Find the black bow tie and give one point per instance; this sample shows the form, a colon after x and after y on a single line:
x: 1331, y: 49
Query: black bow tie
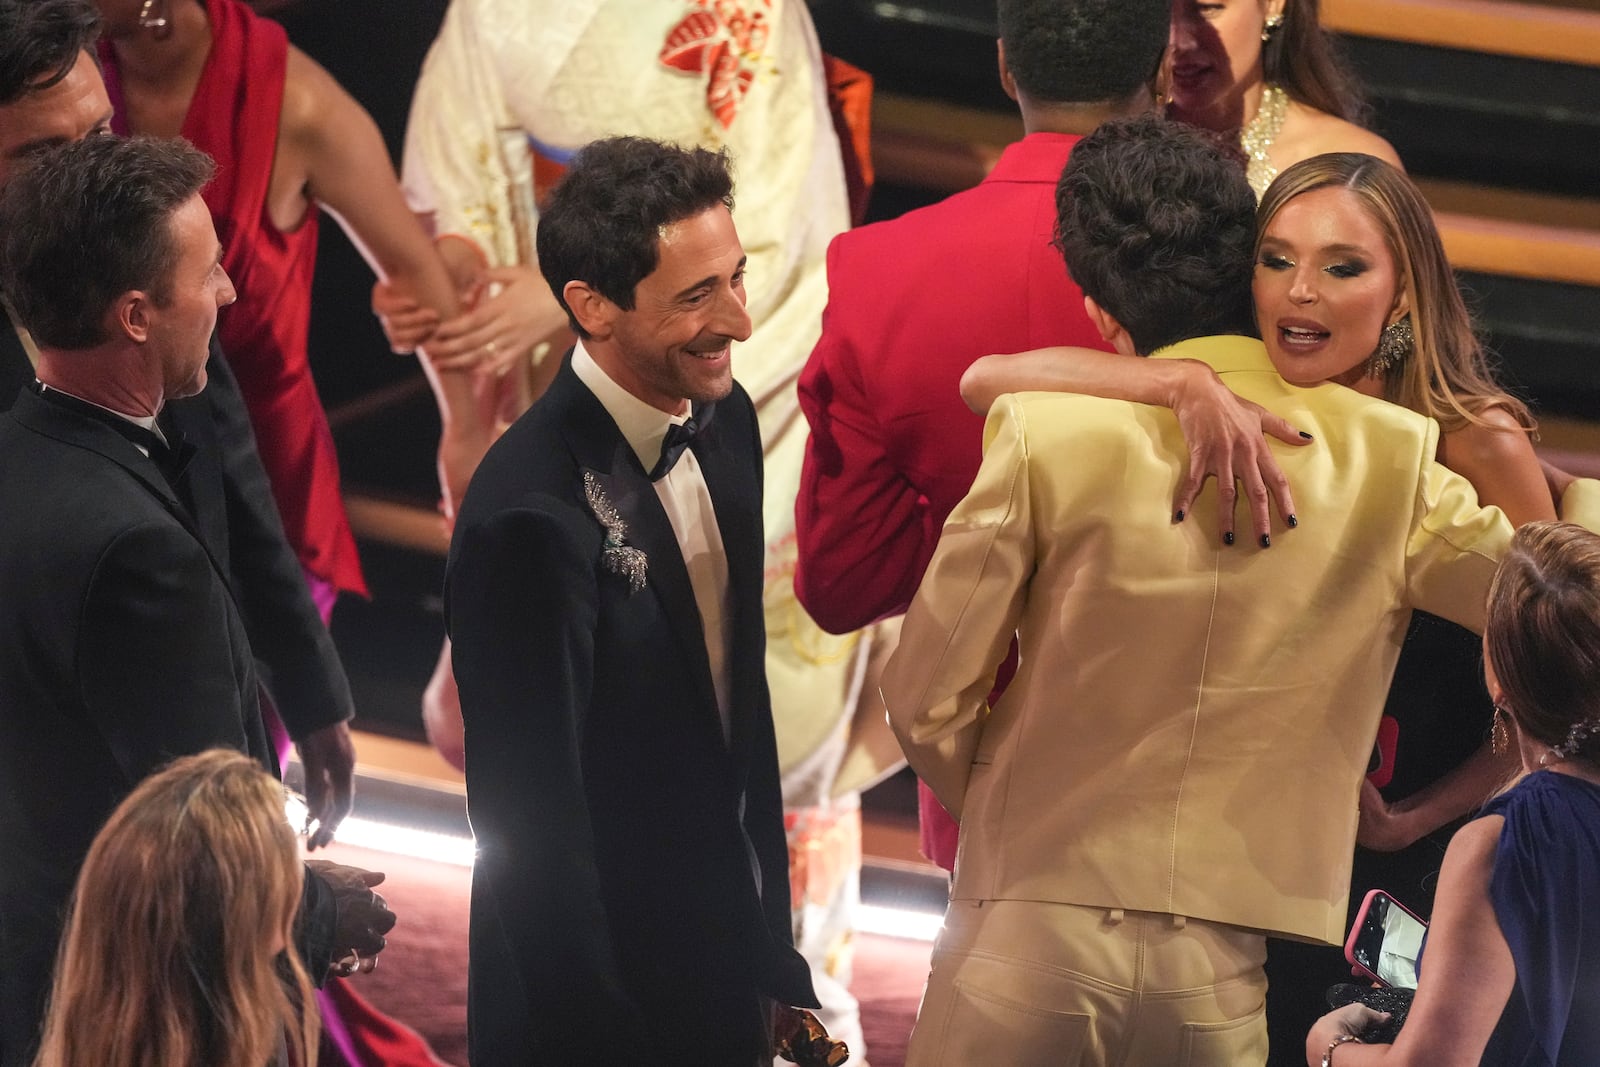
x: 680, y: 435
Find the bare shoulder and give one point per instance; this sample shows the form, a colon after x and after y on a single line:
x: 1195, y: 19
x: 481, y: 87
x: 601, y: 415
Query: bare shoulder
x: 311, y: 98
x: 1308, y: 132
x: 1469, y: 859
x: 1499, y: 439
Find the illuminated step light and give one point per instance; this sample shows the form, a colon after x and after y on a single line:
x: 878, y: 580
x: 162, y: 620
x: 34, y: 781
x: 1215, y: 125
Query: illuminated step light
x: 460, y: 851
x: 899, y: 922
x: 396, y: 840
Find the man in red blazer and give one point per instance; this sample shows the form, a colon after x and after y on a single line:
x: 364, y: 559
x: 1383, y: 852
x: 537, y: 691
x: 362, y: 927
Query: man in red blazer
x: 915, y: 300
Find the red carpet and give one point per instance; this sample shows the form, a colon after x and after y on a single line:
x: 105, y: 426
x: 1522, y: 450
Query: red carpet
x: 421, y: 979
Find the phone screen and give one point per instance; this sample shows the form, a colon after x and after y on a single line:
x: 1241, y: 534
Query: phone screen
x: 1387, y: 942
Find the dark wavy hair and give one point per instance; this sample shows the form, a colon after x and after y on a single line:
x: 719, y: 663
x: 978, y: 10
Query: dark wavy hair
x: 603, y: 222
x: 1300, y: 57
x: 1083, y: 51
x: 85, y: 223
x: 1157, y: 225
x: 1542, y: 633
x: 40, y: 41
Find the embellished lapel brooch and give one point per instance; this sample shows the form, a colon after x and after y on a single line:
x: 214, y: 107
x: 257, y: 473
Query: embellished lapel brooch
x: 618, y: 557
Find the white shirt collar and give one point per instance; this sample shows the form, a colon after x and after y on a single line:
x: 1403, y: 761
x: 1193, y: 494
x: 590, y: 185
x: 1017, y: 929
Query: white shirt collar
x: 147, y: 421
x: 643, y: 425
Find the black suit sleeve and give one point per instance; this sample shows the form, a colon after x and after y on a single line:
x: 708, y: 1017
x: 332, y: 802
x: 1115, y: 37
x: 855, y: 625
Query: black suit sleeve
x: 763, y: 817
x: 314, y: 926
x: 160, y: 676
x: 522, y: 605
x: 302, y: 668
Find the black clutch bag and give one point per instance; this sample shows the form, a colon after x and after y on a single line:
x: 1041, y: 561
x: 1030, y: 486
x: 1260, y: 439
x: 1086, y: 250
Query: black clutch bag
x: 1397, y: 1002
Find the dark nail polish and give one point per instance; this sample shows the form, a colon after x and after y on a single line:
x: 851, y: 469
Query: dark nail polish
x: 1292, y: 521
x: 1227, y: 538
x: 1177, y: 516
x: 1307, y: 436
x: 1266, y: 540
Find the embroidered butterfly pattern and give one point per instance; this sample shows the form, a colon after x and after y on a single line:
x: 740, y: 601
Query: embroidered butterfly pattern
x: 723, y: 39
x: 617, y: 556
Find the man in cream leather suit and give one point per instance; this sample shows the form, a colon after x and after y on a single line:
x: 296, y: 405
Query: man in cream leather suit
x: 1174, y: 773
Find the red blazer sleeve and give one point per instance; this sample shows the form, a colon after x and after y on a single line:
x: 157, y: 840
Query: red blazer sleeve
x: 865, y: 533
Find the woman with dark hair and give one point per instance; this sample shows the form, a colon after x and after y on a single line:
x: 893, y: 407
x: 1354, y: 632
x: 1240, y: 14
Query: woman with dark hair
x: 288, y: 141
x: 175, y: 949
x: 1265, y: 72
x: 1511, y: 970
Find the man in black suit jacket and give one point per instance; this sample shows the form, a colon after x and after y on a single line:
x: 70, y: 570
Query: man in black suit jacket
x: 631, y: 899
x: 51, y: 91
x: 121, y: 645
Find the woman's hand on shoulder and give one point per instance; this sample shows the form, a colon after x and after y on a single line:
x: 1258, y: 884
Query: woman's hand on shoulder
x: 1226, y: 436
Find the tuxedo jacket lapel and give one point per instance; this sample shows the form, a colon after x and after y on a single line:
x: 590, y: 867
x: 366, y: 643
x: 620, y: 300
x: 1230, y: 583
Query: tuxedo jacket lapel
x: 600, y: 449
x: 79, y: 431
x: 197, y: 478
x: 736, y: 499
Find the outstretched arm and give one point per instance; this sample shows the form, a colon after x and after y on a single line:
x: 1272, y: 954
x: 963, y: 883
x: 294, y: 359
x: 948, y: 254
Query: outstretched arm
x: 1225, y: 435
x: 1386, y: 827
x: 348, y: 171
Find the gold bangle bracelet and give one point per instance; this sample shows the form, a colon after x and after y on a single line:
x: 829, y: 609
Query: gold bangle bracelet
x: 1327, y: 1057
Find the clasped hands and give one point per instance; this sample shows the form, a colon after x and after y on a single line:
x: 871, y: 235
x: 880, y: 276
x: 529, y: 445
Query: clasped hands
x: 509, y: 310
x: 362, y: 917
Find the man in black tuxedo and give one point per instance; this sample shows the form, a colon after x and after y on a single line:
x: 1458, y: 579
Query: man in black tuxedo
x: 631, y: 899
x: 121, y: 644
x: 51, y: 92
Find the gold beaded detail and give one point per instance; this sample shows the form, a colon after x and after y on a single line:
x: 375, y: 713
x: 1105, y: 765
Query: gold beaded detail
x: 1257, y: 137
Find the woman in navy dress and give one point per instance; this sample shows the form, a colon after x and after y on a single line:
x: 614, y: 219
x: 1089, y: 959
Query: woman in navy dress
x: 1511, y: 976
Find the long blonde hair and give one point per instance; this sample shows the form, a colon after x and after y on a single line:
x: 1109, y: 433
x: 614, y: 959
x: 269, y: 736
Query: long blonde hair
x: 1447, y: 375
x: 170, y: 955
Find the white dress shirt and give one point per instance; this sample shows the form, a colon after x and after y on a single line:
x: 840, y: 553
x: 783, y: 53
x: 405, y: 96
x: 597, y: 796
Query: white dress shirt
x: 687, y: 501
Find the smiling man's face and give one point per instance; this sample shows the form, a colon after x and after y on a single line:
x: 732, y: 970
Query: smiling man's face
x: 676, y: 343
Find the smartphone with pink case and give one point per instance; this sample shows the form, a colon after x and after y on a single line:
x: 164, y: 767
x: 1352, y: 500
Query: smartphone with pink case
x: 1386, y: 941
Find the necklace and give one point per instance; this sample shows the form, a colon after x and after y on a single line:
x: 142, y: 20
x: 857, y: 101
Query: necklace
x: 1259, y: 133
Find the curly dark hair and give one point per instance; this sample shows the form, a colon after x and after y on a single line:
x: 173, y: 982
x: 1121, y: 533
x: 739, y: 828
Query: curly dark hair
x: 1083, y: 51
x: 89, y: 221
x: 602, y: 225
x: 40, y: 41
x: 1157, y: 225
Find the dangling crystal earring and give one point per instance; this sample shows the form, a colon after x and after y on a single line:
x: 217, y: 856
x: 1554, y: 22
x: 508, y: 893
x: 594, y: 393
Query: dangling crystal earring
x: 1273, y: 22
x: 156, y: 17
x: 1499, y: 736
x: 1394, y: 345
